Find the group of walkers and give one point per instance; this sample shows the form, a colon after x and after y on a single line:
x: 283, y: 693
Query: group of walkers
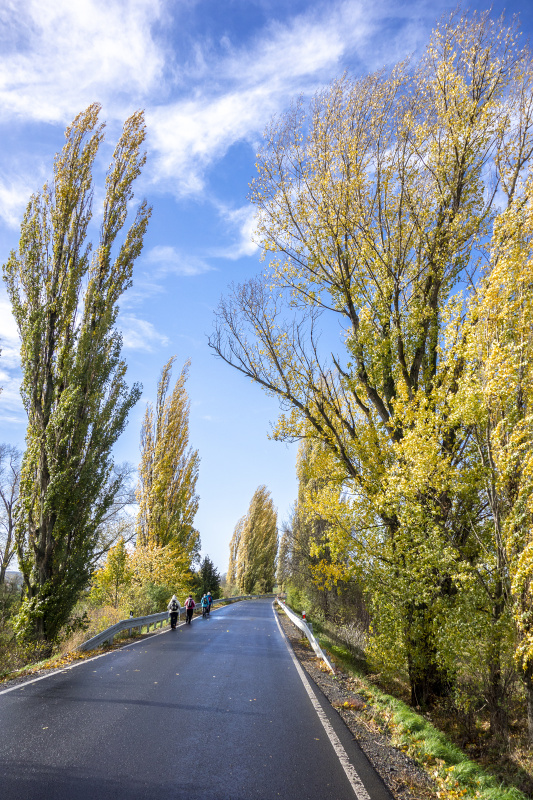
x: 174, y: 608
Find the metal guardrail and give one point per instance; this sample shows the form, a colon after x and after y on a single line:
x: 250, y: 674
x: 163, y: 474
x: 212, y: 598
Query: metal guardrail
x: 131, y: 623
x: 304, y: 627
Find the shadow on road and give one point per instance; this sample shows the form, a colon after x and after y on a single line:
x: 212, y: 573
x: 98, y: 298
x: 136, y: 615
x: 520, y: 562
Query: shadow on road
x: 25, y: 781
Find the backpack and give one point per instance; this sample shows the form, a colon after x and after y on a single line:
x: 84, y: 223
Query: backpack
x: 189, y: 603
x: 174, y: 605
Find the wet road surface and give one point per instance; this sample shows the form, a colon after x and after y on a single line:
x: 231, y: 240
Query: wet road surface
x: 216, y: 710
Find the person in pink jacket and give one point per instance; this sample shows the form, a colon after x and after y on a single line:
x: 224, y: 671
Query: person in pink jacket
x: 189, y: 607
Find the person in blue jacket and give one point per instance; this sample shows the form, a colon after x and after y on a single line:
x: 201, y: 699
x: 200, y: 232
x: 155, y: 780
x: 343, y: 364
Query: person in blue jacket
x: 205, y: 606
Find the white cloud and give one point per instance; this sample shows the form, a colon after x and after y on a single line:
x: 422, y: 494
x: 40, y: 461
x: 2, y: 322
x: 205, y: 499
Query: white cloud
x: 170, y: 260
x: 139, y: 334
x: 243, y: 220
x: 240, y: 92
x: 11, y: 409
x: 15, y: 191
x: 59, y: 56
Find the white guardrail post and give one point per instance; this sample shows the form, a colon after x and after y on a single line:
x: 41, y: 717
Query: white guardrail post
x: 131, y: 623
x: 304, y: 627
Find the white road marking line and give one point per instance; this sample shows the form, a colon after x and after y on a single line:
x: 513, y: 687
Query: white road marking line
x: 82, y: 661
x: 351, y: 773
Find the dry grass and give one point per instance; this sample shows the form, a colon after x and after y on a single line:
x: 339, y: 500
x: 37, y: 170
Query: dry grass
x: 98, y: 620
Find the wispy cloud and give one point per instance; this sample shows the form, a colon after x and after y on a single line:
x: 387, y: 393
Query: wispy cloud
x: 58, y: 56
x: 168, y: 259
x: 139, y: 334
x: 15, y: 191
x: 243, y: 221
x: 243, y: 89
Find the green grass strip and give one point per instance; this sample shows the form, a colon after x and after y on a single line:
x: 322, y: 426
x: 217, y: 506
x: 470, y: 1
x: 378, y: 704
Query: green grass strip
x: 455, y: 775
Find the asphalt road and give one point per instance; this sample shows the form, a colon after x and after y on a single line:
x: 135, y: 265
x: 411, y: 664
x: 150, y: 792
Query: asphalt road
x: 216, y: 710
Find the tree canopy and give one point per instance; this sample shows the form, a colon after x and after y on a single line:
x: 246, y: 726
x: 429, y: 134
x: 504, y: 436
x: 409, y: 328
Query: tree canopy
x: 396, y: 207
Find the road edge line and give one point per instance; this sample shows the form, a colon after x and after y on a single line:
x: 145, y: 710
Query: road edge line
x: 82, y: 661
x: 351, y: 773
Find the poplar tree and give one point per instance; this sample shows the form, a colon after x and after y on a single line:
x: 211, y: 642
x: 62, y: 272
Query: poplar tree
x: 234, y: 545
x: 64, y: 295
x: 258, y: 545
x: 495, y: 400
x: 168, y: 471
x: 283, y: 561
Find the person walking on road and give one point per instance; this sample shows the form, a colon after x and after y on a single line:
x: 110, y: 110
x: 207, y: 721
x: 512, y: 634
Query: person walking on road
x: 173, y: 608
x: 189, y: 607
x: 205, y: 606
x: 210, y: 603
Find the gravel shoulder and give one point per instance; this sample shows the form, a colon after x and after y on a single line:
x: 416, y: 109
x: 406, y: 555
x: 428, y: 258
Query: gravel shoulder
x: 404, y: 778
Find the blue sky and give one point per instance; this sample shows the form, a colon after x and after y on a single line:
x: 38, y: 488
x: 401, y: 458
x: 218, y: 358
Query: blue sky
x: 209, y: 74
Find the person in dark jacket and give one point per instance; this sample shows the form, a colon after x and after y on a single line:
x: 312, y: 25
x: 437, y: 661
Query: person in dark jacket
x: 174, y: 609
x: 210, y: 602
x: 189, y: 607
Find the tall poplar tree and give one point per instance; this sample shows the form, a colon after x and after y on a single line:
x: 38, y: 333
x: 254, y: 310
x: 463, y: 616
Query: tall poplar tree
x: 496, y: 400
x: 169, y: 470
x: 234, y: 545
x: 258, y: 545
x: 64, y: 296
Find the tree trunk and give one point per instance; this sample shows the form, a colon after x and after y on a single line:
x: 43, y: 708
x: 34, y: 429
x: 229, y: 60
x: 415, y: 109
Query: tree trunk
x: 499, y: 723
x: 429, y: 681
x: 527, y: 677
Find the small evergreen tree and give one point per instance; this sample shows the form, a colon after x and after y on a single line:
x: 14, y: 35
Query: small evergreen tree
x: 209, y: 578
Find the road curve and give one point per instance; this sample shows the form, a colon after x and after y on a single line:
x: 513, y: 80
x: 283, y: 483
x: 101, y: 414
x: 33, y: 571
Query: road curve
x: 212, y: 711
